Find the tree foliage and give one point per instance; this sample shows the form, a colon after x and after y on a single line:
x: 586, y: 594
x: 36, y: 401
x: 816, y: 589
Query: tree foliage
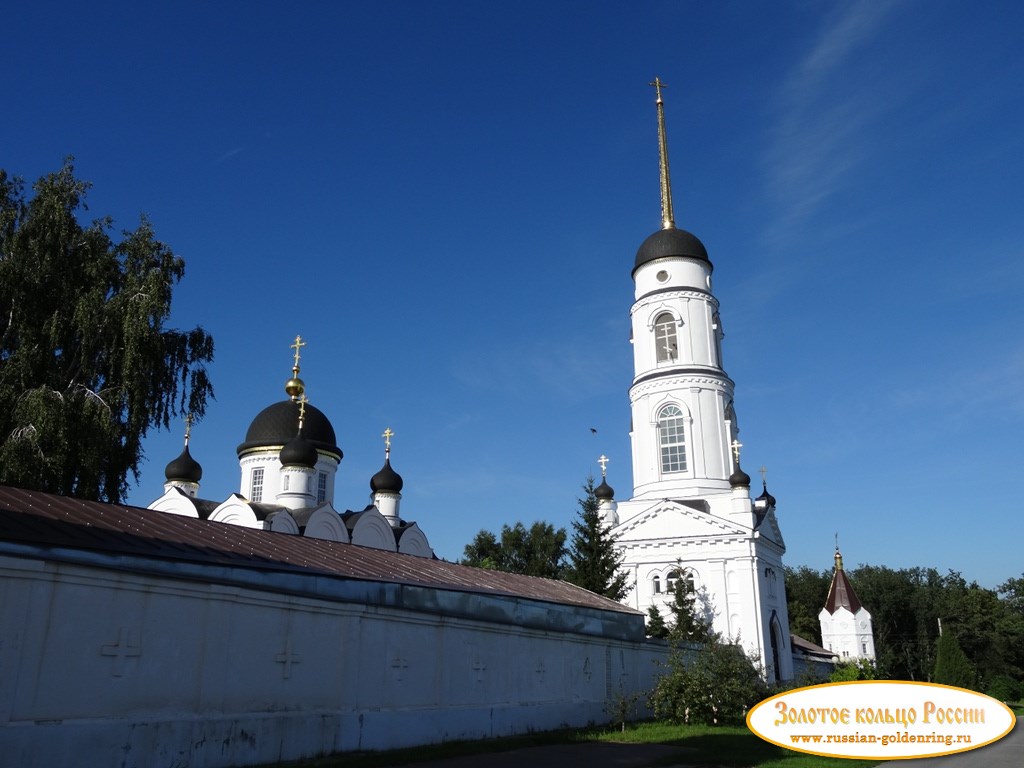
x: 593, y: 559
x: 87, y: 364
x: 535, y: 551
x: 907, y: 607
x: 952, y: 666
x: 715, y: 684
x: 656, y: 626
x: 692, y: 614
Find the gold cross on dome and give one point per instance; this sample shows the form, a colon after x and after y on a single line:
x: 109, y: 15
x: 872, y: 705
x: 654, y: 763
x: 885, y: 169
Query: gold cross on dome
x: 736, y: 445
x: 302, y: 409
x: 764, y: 474
x: 658, y: 85
x: 188, y: 427
x: 603, y: 461
x: 388, y: 434
x: 297, y: 346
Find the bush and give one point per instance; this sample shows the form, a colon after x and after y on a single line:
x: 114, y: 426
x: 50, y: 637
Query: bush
x: 716, y: 686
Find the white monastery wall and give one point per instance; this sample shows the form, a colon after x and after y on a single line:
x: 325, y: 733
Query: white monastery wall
x: 155, y: 665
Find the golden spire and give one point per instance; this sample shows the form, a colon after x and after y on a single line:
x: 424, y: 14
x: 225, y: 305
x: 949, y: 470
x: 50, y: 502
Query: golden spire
x: 295, y: 386
x: 302, y: 410
x: 188, y: 428
x: 667, y: 216
x: 839, y: 555
x: 388, y: 434
x: 603, y: 461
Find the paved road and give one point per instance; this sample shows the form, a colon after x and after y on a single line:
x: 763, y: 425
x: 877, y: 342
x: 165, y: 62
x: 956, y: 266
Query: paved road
x: 1008, y: 752
x: 594, y: 754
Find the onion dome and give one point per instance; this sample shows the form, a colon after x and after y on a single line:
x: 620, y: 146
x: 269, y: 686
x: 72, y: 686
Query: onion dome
x: 670, y: 243
x: 184, y: 469
x: 767, y: 498
x: 274, y: 427
x: 739, y: 478
x: 387, y: 480
x: 299, y: 452
x: 604, y: 492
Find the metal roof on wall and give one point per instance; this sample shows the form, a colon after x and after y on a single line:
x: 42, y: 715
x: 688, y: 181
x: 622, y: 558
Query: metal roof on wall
x: 51, y: 521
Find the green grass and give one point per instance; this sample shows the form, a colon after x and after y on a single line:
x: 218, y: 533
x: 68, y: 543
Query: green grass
x: 723, y: 746
x: 704, y: 745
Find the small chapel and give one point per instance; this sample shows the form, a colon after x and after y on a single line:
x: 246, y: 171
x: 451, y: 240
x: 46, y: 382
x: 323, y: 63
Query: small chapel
x: 690, y: 517
x: 846, y: 627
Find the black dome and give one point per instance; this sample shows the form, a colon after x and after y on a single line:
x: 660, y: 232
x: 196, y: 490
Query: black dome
x: 667, y: 243
x: 739, y: 479
x: 604, y: 491
x: 299, y: 452
x: 767, y: 498
x: 184, y: 468
x: 275, y: 425
x: 387, y: 480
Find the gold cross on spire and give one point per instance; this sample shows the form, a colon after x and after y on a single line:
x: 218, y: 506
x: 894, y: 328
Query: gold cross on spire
x: 764, y: 474
x: 658, y: 85
x: 188, y: 427
x: 388, y: 434
x: 297, y: 346
x: 603, y: 461
x: 302, y: 409
x: 736, y: 445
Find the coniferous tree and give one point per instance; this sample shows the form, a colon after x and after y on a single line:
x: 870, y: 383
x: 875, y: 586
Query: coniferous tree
x: 87, y: 364
x: 594, y: 561
x: 656, y: 626
x: 691, y: 616
x: 952, y: 666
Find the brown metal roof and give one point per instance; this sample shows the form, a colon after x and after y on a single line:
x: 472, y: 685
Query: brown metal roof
x: 46, y: 520
x: 841, y: 594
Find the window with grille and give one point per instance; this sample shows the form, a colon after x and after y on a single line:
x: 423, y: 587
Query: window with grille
x: 256, y: 486
x: 672, y: 437
x: 321, y: 487
x: 665, y: 338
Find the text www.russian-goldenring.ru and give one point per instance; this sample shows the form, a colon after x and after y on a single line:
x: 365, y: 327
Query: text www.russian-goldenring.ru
x: 885, y: 740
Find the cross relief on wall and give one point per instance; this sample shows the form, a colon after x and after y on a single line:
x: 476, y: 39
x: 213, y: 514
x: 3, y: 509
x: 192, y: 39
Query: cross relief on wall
x: 121, y: 650
x: 286, y: 658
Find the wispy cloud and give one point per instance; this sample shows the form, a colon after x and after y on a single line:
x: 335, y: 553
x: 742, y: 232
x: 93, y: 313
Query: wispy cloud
x: 822, y: 118
x: 229, y: 154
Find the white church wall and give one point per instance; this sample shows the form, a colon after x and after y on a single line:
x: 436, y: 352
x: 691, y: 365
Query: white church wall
x: 233, y: 667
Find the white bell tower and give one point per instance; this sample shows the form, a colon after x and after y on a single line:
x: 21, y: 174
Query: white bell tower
x: 681, y: 398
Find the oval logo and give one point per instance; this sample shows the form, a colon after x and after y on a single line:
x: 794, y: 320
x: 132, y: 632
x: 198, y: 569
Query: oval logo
x: 880, y: 719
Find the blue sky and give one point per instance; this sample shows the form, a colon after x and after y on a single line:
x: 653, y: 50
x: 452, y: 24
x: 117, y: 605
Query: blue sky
x: 445, y: 200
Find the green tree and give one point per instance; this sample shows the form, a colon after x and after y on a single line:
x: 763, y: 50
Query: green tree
x: 952, y: 666
x: 535, y: 551
x: 806, y: 592
x: 692, y: 613
x: 593, y: 560
x: 87, y: 363
x: 713, y: 685
x: 656, y: 626
x: 860, y: 669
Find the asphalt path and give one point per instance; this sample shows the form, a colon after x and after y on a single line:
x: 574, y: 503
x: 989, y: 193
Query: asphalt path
x: 1008, y: 752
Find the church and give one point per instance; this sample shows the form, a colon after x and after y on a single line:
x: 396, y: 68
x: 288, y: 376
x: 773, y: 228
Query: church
x: 270, y: 626
x: 690, y: 517
x: 287, y: 465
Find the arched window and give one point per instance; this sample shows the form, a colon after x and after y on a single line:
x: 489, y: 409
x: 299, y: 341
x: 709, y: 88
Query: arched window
x: 665, y: 338
x: 689, y: 582
x: 716, y: 330
x: 656, y: 583
x: 672, y: 438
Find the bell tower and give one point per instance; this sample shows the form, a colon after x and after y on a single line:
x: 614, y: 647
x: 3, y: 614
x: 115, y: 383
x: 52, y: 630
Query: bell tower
x: 681, y: 398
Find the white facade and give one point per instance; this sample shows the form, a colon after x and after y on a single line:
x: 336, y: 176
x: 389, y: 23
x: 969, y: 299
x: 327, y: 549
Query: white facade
x: 690, y: 516
x: 846, y: 627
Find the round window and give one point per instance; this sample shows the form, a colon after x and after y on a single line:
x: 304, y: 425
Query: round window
x: 662, y: 276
